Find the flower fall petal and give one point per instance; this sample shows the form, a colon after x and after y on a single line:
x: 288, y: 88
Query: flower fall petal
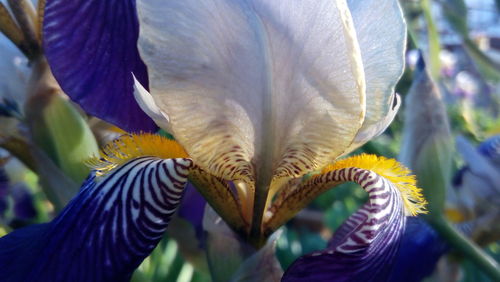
x: 365, y: 246
x: 105, y: 232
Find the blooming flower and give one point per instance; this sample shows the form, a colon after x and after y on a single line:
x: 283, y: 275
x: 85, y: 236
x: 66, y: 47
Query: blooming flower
x: 264, y: 97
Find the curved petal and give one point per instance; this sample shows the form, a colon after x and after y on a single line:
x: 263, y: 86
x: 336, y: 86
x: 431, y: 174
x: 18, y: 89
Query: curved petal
x: 105, y: 232
x: 300, y: 192
x: 366, y: 245
x: 148, y: 106
x: 370, y: 131
x: 91, y: 47
x: 270, y: 84
x: 381, y: 31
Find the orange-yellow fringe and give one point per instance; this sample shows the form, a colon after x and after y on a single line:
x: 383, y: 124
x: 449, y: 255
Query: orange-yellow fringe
x: 393, y: 171
x: 132, y: 146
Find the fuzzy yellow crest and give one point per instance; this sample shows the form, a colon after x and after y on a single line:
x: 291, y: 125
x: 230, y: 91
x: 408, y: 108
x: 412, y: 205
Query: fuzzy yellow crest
x: 132, y: 146
x: 393, y: 171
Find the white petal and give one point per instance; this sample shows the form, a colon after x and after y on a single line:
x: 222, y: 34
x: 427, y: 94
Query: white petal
x: 148, y: 105
x: 381, y: 32
x: 255, y: 82
x: 371, y: 130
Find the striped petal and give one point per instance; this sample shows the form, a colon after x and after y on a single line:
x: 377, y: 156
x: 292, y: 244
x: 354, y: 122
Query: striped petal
x: 365, y: 246
x: 273, y: 85
x: 394, y: 177
x: 91, y: 47
x: 105, y: 232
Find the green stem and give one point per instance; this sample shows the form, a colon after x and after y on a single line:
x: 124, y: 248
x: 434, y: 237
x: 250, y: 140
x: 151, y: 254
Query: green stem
x: 433, y: 40
x: 466, y: 247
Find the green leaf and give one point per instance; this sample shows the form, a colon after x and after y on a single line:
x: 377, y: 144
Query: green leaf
x: 56, y: 185
x: 62, y: 133
x: 433, y: 171
x: 466, y: 247
x: 433, y: 38
x: 455, y: 12
x: 486, y: 66
x: 56, y: 126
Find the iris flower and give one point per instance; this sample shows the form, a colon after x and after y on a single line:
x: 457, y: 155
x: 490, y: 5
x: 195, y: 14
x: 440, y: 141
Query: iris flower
x: 263, y: 99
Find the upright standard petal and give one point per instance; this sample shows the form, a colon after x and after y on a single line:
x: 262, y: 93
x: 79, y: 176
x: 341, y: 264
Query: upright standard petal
x: 381, y: 31
x: 275, y: 85
x: 91, y: 47
x: 365, y: 246
x: 105, y: 232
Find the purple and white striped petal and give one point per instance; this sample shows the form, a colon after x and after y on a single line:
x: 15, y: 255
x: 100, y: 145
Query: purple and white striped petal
x: 105, y: 232
x: 91, y: 47
x: 365, y: 246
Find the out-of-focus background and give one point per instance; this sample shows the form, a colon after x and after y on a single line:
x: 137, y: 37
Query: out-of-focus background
x: 41, y: 167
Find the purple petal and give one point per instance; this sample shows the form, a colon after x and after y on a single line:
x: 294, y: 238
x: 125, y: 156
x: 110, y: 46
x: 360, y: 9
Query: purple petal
x: 420, y: 250
x: 105, y: 232
x: 365, y: 246
x: 91, y: 46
